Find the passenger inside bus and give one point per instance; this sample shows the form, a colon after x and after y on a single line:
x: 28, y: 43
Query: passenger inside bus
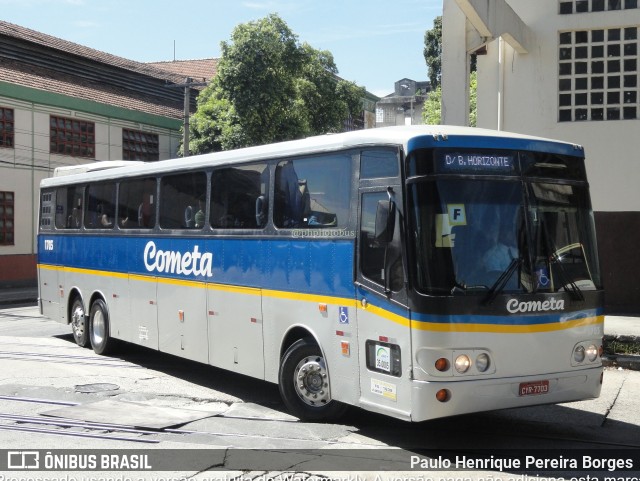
x: 502, y: 248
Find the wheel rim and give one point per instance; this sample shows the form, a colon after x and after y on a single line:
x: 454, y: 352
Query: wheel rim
x: 99, y: 327
x: 77, y: 321
x: 311, y: 381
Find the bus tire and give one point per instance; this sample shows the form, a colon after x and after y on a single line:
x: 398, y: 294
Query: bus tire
x: 79, y: 322
x: 101, y: 341
x: 304, y: 385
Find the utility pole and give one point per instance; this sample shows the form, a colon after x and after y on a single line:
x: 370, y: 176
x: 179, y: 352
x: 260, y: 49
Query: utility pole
x: 188, y: 84
x: 185, y: 129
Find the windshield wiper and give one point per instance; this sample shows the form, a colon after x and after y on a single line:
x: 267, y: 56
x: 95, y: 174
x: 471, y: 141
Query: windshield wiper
x: 501, y: 282
x: 569, y: 285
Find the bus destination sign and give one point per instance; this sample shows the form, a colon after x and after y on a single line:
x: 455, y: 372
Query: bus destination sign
x: 489, y: 163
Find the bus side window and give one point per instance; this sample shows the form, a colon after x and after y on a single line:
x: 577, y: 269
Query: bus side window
x: 136, y: 203
x: 101, y: 206
x: 239, y: 197
x: 182, y: 199
x: 376, y: 164
x: 69, y: 207
x: 313, y: 192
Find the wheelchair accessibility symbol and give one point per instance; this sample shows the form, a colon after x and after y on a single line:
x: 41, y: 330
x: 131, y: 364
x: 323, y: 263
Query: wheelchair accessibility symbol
x: 543, y: 277
x: 343, y: 315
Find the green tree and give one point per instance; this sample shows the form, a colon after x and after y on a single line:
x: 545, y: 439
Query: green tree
x: 473, y: 98
x: 432, y: 109
x: 271, y: 88
x: 433, y: 52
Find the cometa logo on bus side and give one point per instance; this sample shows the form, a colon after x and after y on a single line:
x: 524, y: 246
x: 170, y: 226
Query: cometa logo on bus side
x: 176, y: 262
x: 514, y: 306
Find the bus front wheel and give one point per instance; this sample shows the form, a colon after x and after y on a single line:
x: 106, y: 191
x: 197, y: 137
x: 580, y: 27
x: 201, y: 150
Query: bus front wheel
x: 304, y: 383
x: 101, y: 341
x: 79, y: 323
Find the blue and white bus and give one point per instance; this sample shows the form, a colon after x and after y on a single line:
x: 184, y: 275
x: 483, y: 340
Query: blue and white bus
x: 418, y: 272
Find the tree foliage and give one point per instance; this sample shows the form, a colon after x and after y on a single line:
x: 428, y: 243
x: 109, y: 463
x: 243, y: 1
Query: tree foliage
x: 433, y: 52
x: 270, y: 88
x: 432, y: 109
x: 473, y: 99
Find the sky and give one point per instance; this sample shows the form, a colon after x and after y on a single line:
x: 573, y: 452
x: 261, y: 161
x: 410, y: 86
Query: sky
x: 374, y: 42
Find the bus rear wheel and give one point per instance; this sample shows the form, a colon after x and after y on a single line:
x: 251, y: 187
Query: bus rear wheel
x: 101, y: 341
x: 79, y: 323
x: 304, y: 383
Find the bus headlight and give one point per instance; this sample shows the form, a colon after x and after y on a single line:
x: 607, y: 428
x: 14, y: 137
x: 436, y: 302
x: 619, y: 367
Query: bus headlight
x: 482, y: 362
x: 462, y: 363
x: 578, y: 354
x: 592, y: 353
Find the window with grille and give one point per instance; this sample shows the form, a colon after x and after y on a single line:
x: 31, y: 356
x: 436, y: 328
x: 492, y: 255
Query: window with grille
x: 6, y: 127
x: 584, y: 6
x: 137, y: 145
x: 598, y: 74
x: 72, y: 137
x: 6, y: 218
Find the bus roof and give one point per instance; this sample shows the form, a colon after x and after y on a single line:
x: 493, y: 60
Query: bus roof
x: 93, y: 167
x: 390, y: 136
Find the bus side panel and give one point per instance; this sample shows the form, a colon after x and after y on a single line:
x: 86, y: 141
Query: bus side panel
x: 49, y: 273
x: 311, y: 288
x: 143, y: 317
x: 235, y: 329
x: 49, y: 292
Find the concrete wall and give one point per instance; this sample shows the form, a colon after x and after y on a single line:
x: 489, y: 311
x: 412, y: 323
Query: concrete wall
x: 530, y: 92
x: 519, y: 92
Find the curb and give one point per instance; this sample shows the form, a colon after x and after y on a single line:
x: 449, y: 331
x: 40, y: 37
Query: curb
x: 624, y: 361
x: 12, y: 301
x: 621, y: 361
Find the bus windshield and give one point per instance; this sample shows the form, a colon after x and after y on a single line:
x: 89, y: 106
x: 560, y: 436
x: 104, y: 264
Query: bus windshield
x: 479, y: 234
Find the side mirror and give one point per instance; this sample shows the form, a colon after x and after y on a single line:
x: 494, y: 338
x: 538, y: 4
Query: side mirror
x: 385, y: 222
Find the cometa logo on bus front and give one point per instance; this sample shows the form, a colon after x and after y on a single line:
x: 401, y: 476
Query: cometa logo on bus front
x: 176, y: 262
x: 514, y: 306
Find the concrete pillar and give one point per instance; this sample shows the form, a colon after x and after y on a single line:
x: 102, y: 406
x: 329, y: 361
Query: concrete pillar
x: 455, y: 66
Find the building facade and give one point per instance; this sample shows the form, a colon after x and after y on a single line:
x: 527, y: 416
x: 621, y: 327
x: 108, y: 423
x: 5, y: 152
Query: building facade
x: 565, y: 69
x: 64, y: 104
x: 404, y: 105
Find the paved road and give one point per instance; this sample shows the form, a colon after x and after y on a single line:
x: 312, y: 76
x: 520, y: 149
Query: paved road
x: 44, y: 373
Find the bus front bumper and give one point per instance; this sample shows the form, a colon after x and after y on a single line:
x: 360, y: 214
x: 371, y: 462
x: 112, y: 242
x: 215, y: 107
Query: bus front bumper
x: 490, y: 394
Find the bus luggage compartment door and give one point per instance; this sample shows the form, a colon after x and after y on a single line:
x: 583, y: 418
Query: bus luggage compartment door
x: 182, y: 320
x: 235, y: 329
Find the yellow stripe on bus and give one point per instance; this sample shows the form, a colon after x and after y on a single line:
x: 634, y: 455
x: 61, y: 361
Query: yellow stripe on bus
x: 507, y: 328
x: 346, y: 302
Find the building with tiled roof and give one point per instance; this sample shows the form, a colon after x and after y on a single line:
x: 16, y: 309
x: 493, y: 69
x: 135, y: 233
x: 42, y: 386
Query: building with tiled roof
x: 66, y: 104
x: 201, y: 69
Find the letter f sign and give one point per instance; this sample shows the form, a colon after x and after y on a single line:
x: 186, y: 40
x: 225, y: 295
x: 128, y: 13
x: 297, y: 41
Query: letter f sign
x: 457, y: 214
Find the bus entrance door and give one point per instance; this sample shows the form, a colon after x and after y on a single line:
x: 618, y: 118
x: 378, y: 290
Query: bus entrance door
x: 384, y: 333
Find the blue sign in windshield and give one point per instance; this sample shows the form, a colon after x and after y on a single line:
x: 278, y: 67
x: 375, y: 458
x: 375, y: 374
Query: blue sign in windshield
x: 475, y: 162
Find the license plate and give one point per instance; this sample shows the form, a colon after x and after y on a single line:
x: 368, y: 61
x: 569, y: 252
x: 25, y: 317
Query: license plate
x: 533, y: 388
